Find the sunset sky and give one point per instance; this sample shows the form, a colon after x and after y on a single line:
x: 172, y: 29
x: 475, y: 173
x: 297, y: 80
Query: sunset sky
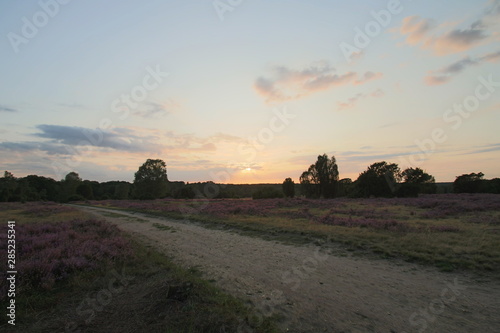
x: 253, y: 90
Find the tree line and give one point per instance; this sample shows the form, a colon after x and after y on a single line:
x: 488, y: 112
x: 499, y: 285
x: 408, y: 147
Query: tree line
x: 320, y: 180
x: 380, y: 179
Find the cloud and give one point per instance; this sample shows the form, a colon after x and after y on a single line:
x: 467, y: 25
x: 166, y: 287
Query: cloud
x: 72, y: 105
x: 357, y: 56
x: 368, y: 76
x: 29, y: 146
x: 117, y: 139
x: 372, y: 155
x: 444, y: 75
x: 491, y: 57
x: 416, y: 29
x: 7, y: 109
x: 442, y: 39
x: 484, y: 149
x: 156, y: 110
x: 351, y: 102
x: 288, y: 84
x: 457, y: 40
x: 222, y: 137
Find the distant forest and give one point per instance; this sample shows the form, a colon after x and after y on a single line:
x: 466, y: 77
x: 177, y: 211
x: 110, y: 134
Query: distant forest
x: 321, y: 180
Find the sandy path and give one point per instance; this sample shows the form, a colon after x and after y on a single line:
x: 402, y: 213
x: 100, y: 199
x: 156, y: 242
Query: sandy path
x: 319, y: 291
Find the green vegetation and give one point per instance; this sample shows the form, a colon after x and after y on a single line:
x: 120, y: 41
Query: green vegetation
x: 142, y: 291
x: 150, y: 181
x: 289, y: 188
x: 164, y: 227
x: 447, y: 231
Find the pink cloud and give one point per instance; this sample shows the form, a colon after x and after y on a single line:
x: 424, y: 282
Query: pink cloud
x: 351, y: 102
x: 287, y: 84
x: 448, y: 38
x: 444, y: 74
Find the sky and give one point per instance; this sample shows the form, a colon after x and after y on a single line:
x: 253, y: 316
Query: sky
x: 248, y: 91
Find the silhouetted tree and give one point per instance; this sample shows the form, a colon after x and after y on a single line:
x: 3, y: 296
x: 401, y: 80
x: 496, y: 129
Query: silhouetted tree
x: 69, y: 185
x: 415, y: 181
x: 379, y: 180
x: 345, y: 187
x: 185, y: 192
x: 320, y: 180
x: 289, y: 188
x: 47, y: 188
x: 85, y: 190
x: 267, y: 193
x: 151, y: 180
x: 468, y: 183
x: 8, y: 187
x: 121, y: 191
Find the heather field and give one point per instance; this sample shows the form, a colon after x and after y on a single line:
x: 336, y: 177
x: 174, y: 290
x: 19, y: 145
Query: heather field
x: 77, y: 273
x: 449, y: 231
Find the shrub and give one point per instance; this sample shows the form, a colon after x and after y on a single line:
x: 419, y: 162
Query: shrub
x: 50, y: 252
x: 267, y: 193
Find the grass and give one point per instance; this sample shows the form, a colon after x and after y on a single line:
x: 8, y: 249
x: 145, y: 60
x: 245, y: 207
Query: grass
x: 142, y: 291
x: 164, y: 227
x: 447, y: 231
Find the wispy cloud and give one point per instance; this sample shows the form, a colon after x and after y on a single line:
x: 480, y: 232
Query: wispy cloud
x: 484, y: 149
x: 7, y: 109
x: 449, y: 38
x: 351, y: 102
x: 445, y: 74
x: 421, y: 31
x: 288, y: 84
x: 72, y: 105
x: 120, y: 142
x: 30, y: 146
x: 152, y: 110
x: 416, y: 29
x: 116, y: 139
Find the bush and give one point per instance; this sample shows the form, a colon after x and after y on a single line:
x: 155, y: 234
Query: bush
x: 51, y: 252
x: 408, y: 190
x: 184, y: 193
x: 267, y: 193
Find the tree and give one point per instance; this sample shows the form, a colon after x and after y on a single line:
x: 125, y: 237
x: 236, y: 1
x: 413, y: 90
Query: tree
x: 47, y: 188
x: 416, y: 176
x: 379, y: 180
x: 121, y: 191
x: 345, y: 187
x: 416, y: 181
x: 468, y: 183
x: 289, y: 188
x: 85, y: 190
x: 150, y: 181
x: 69, y: 185
x: 320, y: 180
x: 8, y: 187
x: 267, y: 193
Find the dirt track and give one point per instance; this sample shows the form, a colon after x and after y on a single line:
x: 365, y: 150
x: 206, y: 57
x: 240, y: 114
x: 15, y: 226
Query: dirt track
x: 315, y: 290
